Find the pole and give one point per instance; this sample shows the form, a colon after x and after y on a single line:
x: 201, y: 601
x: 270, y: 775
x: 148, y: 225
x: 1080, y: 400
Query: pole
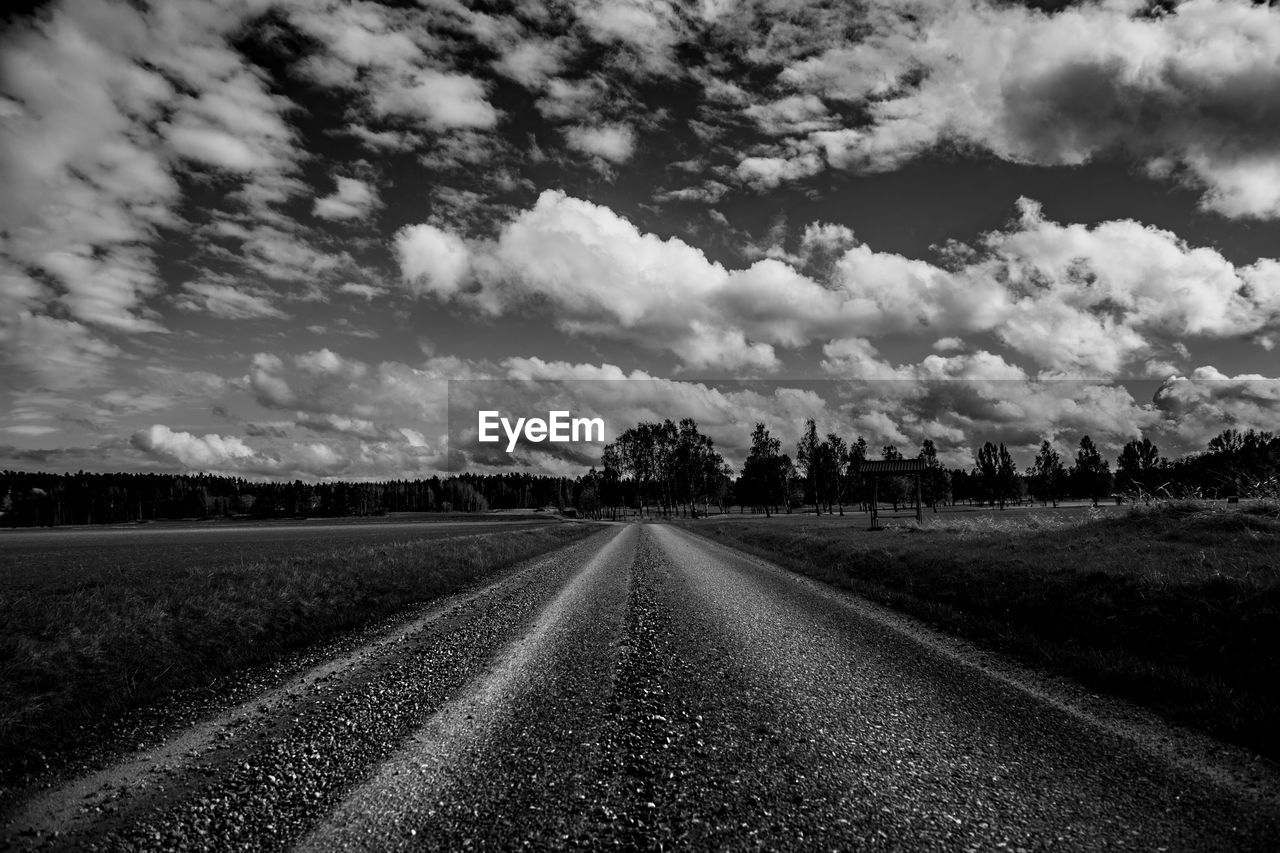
x: 875, y: 500
x: 919, y: 503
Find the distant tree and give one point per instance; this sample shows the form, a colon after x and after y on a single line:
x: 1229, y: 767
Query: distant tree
x: 792, y: 483
x: 809, y: 462
x: 1048, y: 475
x: 987, y: 471
x: 935, y: 482
x: 1136, y: 466
x: 1007, y: 482
x: 996, y: 474
x: 762, y: 475
x: 835, y: 459
x: 1091, y: 473
x: 857, y: 483
x: 893, y: 489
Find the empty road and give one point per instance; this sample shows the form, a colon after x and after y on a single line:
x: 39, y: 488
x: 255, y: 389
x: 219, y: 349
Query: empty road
x: 649, y: 689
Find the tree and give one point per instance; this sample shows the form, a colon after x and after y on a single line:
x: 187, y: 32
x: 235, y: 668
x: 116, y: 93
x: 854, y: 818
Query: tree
x: 762, y: 471
x: 1047, y: 474
x: 1135, y: 466
x: 987, y: 471
x: 857, y: 483
x: 1091, y: 474
x: 935, y: 482
x: 835, y: 461
x: 996, y: 473
x: 894, y: 489
x: 809, y: 461
x: 1006, y: 476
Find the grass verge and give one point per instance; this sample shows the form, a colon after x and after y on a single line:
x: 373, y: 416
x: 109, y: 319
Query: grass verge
x: 83, y: 644
x: 1174, y: 607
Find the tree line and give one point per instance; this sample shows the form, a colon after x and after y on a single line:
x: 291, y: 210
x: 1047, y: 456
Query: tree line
x: 45, y: 499
x: 667, y: 468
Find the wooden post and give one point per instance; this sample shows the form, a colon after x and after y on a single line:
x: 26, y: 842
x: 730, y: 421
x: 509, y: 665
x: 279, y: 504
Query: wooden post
x: 875, y: 499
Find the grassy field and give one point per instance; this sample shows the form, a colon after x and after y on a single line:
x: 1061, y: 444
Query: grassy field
x: 1176, y: 607
x: 92, y: 622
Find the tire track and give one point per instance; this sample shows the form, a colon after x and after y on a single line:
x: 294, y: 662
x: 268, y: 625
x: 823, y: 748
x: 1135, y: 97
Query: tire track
x: 439, y: 792
x: 923, y: 749
x: 264, y: 782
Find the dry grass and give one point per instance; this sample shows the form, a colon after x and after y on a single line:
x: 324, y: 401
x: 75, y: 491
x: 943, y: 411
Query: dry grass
x: 1174, y: 606
x: 91, y: 640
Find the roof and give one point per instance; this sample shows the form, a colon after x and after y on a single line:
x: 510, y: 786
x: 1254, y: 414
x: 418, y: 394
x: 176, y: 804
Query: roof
x: 893, y: 466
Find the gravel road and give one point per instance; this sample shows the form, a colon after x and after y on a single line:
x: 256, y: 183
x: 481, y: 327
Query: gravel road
x: 649, y: 689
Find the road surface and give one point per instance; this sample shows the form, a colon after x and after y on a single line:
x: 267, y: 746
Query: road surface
x: 649, y: 689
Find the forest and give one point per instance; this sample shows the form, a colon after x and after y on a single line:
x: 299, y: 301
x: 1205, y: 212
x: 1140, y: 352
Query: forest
x: 667, y: 468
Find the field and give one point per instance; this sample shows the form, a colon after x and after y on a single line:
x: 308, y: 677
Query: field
x: 95, y: 620
x: 1176, y: 607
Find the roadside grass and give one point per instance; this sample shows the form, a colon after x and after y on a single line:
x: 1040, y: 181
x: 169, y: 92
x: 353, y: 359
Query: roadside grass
x: 1174, y: 606
x: 85, y: 643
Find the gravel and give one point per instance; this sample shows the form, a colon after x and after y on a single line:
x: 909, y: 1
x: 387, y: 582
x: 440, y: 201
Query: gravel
x: 649, y: 690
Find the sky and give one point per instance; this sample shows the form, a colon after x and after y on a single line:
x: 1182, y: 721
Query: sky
x: 265, y: 237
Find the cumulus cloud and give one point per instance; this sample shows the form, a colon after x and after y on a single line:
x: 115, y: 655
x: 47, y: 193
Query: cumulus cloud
x: 438, y: 100
x: 769, y: 172
x: 612, y: 142
x: 353, y: 199
x: 283, y: 458
x: 432, y: 260
x: 1190, y: 93
x: 207, y: 452
x: 326, y: 362
x: 1208, y: 401
x: 1078, y: 301
x: 532, y: 61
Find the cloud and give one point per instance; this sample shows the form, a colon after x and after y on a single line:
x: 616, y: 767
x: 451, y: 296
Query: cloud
x: 1190, y: 93
x: 368, y: 291
x: 268, y: 386
x: 1208, y: 401
x: 86, y: 183
x: 769, y: 172
x: 208, y: 452
x: 353, y: 199
x: 857, y: 358
x: 532, y: 61
x: 648, y: 30
x: 283, y: 458
x: 226, y: 301
x: 326, y: 362
x: 613, y: 142
x: 29, y: 430
x: 438, y: 100
x: 1077, y: 300
x: 794, y: 114
x: 571, y: 99
x: 282, y: 251
x: 52, y: 353
x: 958, y: 401
x: 432, y: 260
